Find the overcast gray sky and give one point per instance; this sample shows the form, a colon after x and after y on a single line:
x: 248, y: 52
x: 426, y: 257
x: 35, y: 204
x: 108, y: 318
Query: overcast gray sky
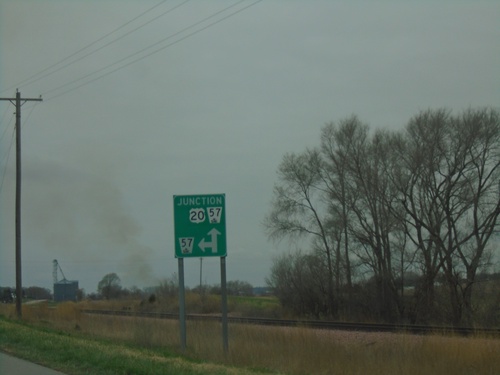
x: 189, y: 99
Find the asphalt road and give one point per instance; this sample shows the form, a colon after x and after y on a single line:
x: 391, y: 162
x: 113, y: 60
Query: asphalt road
x: 14, y: 366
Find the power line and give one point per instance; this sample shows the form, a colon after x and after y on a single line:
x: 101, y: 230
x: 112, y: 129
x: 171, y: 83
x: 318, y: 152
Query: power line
x: 32, y: 78
x: 134, y: 54
x: 107, y: 44
x: 25, y: 122
x: 7, y: 161
x: 149, y: 47
x: 7, y: 154
x: 4, y: 114
x: 5, y: 130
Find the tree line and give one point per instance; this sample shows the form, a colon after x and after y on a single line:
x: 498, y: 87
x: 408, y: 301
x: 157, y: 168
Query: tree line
x: 8, y: 294
x: 383, y: 207
x: 110, y: 288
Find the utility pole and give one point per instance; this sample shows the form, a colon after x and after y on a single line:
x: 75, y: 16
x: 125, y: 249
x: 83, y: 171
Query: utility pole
x: 18, y: 102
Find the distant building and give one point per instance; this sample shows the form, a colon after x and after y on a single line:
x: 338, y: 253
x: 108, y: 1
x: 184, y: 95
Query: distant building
x: 65, y: 290
x: 7, y: 295
x: 262, y: 291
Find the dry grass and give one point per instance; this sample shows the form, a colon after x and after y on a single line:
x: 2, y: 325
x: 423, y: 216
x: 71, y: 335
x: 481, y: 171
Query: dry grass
x: 290, y: 350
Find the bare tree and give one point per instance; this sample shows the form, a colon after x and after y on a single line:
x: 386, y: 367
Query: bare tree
x: 110, y: 286
x: 300, y: 281
x: 451, y: 195
x: 425, y: 201
x: 337, y: 144
x: 419, y: 185
x: 359, y: 183
x: 298, y: 210
x: 471, y: 203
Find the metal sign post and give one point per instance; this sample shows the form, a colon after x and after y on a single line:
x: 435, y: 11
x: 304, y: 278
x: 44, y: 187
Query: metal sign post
x: 223, y: 289
x: 182, y: 304
x: 200, y: 231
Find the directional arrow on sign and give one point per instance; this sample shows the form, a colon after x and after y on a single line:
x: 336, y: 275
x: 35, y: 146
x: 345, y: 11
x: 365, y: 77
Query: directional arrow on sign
x: 212, y: 244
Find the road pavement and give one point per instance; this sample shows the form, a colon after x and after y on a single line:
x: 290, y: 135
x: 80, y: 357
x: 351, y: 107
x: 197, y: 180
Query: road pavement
x: 14, y: 366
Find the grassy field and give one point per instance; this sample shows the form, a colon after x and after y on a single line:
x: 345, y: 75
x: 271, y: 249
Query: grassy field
x: 78, y: 343
x: 77, y: 354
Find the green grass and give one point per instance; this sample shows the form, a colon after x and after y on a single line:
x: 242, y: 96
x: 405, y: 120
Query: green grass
x: 255, y: 306
x: 77, y: 354
x: 78, y: 343
x: 262, y: 302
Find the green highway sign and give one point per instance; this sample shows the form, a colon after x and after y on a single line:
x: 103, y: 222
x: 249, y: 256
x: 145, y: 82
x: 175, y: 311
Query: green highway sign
x: 200, y: 225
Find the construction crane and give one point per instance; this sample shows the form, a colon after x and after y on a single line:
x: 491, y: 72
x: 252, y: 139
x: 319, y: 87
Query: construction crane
x: 55, y: 266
